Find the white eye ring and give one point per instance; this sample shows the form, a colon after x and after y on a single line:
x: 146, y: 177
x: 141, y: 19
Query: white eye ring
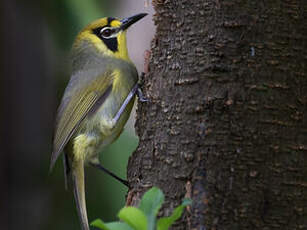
x: 108, y: 32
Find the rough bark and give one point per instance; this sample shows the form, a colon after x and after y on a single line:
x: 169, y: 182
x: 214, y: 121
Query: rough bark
x: 227, y: 118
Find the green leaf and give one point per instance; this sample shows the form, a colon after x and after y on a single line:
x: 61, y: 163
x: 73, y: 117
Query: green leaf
x: 118, y: 226
x: 110, y: 226
x: 99, y: 224
x: 150, y: 205
x: 144, y: 217
x: 134, y: 217
x: 165, y: 222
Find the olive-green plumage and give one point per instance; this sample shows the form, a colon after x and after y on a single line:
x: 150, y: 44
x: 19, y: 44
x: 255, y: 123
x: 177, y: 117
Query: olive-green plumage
x: 97, y: 101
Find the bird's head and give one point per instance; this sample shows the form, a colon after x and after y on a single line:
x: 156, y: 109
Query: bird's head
x: 108, y: 35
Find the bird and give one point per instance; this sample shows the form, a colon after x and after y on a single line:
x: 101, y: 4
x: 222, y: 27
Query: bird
x: 97, y: 101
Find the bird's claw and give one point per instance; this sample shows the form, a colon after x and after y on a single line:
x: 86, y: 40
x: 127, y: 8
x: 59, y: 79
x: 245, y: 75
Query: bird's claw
x: 141, y: 96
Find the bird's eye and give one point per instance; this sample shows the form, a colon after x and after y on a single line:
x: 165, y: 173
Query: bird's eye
x: 106, y: 32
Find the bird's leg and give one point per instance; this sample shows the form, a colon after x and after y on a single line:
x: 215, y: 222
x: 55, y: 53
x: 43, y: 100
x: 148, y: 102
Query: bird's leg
x: 135, y: 90
x: 99, y: 166
x: 124, y: 105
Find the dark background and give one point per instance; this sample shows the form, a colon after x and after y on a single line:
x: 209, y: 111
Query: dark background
x: 36, y: 37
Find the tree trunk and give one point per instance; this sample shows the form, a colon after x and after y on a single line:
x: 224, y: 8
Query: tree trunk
x: 227, y: 119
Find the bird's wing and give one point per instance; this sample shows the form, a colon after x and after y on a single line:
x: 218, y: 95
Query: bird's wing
x: 76, y: 104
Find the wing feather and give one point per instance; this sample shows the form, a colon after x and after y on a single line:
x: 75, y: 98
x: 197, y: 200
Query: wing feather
x: 77, y: 103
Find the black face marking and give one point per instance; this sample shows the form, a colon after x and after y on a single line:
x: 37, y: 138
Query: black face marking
x: 111, y: 43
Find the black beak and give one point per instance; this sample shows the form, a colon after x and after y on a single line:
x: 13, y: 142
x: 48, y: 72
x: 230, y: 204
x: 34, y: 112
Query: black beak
x: 126, y: 22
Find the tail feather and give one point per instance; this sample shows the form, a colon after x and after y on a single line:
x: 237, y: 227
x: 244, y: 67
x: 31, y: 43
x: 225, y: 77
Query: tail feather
x: 79, y: 193
x: 67, y: 171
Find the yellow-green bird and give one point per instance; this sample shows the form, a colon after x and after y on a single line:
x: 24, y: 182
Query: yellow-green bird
x: 97, y: 101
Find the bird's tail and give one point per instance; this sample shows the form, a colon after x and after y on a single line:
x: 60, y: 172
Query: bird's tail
x: 79, y: 192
